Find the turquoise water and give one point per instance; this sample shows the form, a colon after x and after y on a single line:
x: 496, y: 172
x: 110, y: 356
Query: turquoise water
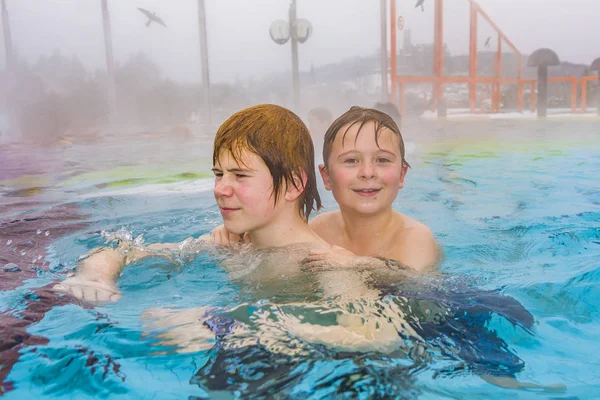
x: 521, y: 220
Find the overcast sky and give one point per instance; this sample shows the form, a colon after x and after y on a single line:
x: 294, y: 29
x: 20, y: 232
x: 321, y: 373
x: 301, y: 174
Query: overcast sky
x: 240, y: 46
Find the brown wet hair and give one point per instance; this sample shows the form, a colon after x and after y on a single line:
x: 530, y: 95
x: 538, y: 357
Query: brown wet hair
x: 359, y: 115
x: 282, y: 141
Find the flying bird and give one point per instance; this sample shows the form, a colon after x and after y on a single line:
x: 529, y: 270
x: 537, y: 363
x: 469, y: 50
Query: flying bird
x: 151, y: 17
x: 487, y: 42
x: 420, y: 3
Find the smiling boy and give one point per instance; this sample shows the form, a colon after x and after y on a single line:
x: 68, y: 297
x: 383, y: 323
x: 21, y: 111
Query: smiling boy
x: 364, y: 167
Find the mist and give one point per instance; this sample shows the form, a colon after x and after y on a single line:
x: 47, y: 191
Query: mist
x: 60, y: 81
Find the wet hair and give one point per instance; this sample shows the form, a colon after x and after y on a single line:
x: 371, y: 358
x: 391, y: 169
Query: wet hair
x: 281, y: 140
x: 359, y: 115
x: 321, y: 114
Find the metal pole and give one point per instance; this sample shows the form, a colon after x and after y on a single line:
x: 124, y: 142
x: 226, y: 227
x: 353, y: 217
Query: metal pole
x: 384, y: 64
x: 295, y: 68
x: 7, y: 39
x: 438, y: 62
x: 204, y: 57
x: 473, y: 59
x: 542, y: 103
x: 497, y: 98
x: 393, y: 50
x: 110, y: 65
x: 12, y: 107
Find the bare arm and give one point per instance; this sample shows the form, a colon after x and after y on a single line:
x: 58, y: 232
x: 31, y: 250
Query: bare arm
x: 220, y: 236
x: 338, y: 258
x: 95, y: 277
x: 419, y: 250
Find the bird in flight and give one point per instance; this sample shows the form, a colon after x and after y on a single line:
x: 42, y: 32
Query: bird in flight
x: 151, y: 17
x: 487, y: 42
x: 420, y: 3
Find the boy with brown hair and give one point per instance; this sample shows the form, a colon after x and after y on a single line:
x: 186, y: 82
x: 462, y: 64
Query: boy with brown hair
x: 364, y: 167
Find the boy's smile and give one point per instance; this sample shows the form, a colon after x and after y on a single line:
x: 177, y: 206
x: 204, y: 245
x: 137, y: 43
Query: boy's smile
x: 367, y: 192
x: 364, y: 174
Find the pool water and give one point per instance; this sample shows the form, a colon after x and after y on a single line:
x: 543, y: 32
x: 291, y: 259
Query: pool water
x: 517, y: 219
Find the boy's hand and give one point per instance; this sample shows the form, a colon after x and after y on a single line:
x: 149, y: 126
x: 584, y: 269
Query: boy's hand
x: 220, y: 236
x: 96, y: 292
x: 334, y: 258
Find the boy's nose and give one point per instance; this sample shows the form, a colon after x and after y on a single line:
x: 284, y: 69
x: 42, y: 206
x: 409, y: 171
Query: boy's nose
x: 223, y: 188
x: 367, y: 170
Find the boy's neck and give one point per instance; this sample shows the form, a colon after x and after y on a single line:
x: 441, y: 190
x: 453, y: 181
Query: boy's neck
x: 361, y: 229
x: 289, y: 228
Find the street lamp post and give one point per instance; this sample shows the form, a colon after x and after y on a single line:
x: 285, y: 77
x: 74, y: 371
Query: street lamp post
x: 110, y: 66
x: 295, y: 67
x: 384, y: 63
x: 11, y: 107
x: 7, y: 39
x: 299, y: 30
x: 204, y: 57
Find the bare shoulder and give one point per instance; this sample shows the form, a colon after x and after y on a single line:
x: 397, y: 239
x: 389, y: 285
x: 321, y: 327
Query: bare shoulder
x: 328, y: 226
x: 415, y: 230
x: 325, y: 221
x: 419, y: 248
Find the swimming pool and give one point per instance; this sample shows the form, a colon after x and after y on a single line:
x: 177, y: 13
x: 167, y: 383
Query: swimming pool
x: 516, y: 208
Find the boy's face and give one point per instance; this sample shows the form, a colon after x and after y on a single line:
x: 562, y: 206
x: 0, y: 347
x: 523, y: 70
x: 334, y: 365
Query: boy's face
x: 244, y: 192
x: 364, y: 177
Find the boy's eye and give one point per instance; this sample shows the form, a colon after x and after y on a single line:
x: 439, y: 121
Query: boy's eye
x: 241, y: 176
x: 350, y: 160
x: 218, y: 174
x: 383, y: 160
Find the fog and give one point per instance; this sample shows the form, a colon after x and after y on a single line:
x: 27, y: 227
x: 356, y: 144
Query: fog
x: 238, y: 30
x: 243, y: 59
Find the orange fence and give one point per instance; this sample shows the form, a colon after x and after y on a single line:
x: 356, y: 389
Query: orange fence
x: 438, y: 80
x: 401, y: 81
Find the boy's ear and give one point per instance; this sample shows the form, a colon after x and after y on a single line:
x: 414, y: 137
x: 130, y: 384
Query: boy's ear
x: 325, y: 176
x: 402, y: 175
x: 297, y: 188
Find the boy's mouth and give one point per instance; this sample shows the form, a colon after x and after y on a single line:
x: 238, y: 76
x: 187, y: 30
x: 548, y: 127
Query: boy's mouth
x: 366, y: 192
x: 228, y: 210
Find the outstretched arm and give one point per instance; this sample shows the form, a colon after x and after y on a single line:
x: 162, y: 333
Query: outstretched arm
x: 95, y: 277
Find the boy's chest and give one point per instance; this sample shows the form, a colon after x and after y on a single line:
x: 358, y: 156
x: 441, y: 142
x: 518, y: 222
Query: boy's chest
x: 377, y: 245
x: 275, y: 274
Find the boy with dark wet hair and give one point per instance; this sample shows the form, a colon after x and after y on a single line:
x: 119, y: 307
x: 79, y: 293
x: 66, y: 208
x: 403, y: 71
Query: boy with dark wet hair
x: 365, y: 166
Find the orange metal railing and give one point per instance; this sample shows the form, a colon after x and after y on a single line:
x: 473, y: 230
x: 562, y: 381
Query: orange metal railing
x: 438, y: 79
x: 584, y: 82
